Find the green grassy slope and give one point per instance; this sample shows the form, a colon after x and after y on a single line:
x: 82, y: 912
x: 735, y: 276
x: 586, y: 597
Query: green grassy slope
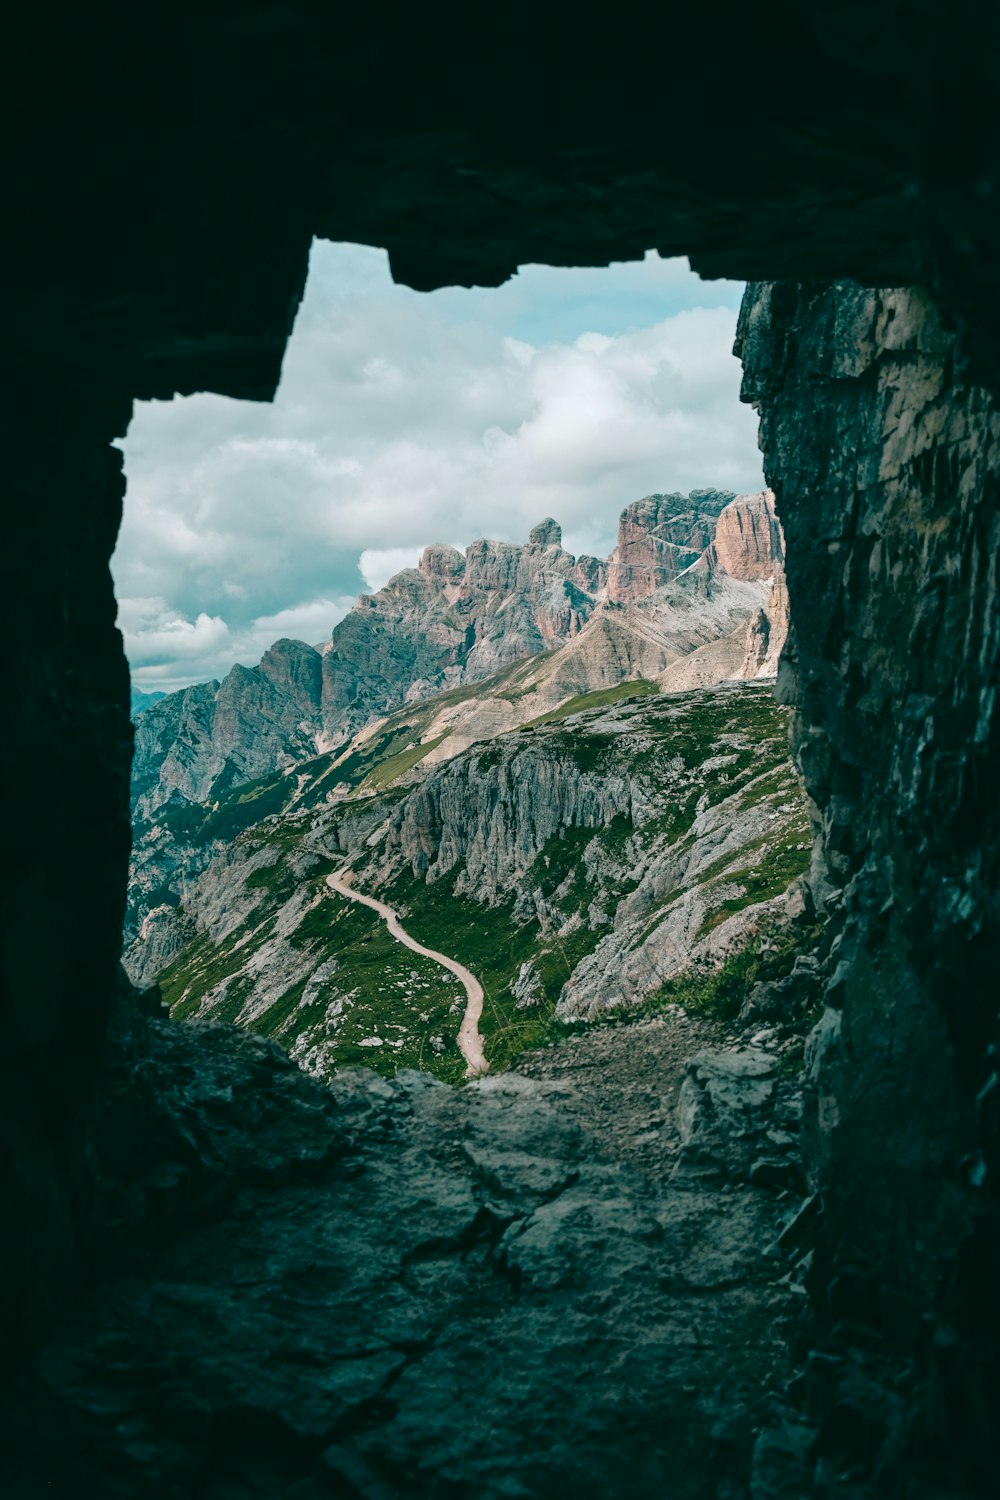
x: 336, y: 989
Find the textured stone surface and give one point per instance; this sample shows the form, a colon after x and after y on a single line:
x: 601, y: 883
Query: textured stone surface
x: 169, y: 174
x: 885, y: 467
x: 658, y: 538
x: 747, y: 542
x: 204, y: 739
x: 403, y: 1289
x: 256, y: 126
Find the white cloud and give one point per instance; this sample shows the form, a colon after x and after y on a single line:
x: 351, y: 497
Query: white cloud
x: 167, y: 651
x: 378, y: 564
x: 406, y: 418
x: 153, y: 632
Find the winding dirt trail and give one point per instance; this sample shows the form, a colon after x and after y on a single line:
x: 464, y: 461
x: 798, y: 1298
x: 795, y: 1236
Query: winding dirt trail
x: 469, y: 1042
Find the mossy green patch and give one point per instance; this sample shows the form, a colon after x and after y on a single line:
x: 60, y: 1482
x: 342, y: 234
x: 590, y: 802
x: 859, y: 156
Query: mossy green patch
x: 490, y: 942
x: 398, y: 764
x: 779, y: 864
x: 721, y: 991
x: 639, y: 687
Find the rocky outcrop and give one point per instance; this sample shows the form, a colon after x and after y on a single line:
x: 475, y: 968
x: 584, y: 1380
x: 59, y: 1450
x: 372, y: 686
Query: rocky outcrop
x: 891, y: 667
x: 200, y: 742
x: 454, y: 619
x: 658, y: 538
x: 767, y: 632
x: 162, y: 934
x: 318, y: 1269
x: 747, y: 543
x: 547, y: 533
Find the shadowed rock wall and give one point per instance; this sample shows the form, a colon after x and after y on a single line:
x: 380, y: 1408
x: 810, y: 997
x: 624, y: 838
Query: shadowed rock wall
x: 173, y: 163
x: 64, y: 764
x: 886, y: 468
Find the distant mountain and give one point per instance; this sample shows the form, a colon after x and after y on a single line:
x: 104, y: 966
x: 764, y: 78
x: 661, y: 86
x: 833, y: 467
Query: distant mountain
x: 140, y: 701
x: 564, y: 770
x: 455, y: 619
x: 448, y: 655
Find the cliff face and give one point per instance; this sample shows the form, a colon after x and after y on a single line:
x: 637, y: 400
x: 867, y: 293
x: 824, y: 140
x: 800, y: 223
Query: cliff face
x: 575, y: 867
x: 454, y: 619
x: 658, y: 538
x: 747, y: 542
x: 886, y: 466
x: 198, y: 742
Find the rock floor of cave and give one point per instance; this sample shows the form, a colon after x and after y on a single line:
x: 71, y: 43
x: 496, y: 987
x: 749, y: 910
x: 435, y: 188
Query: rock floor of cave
x: 525, y: 1287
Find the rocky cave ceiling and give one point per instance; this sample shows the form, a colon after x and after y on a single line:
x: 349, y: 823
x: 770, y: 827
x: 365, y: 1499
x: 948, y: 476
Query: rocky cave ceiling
x: 181, y: 157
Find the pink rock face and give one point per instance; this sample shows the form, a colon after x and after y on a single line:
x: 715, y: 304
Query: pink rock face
x: 748, y: 541
x: 658, y: 538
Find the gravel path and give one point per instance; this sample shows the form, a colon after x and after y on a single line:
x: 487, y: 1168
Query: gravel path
x: 469, y: 1041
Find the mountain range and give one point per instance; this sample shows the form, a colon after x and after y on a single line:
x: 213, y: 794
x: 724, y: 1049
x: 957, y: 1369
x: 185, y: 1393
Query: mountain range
x: 568, y: 773
x: 693, y: 592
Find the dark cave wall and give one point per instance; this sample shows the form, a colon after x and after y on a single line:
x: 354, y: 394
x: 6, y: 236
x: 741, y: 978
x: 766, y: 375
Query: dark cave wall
x: 64, y: 768
x: 886, y: 467
x: 173, y: 162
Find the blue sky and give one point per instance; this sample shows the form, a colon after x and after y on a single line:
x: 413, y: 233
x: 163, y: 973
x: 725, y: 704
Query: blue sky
x: 405, y: 418
x: 541, y: 304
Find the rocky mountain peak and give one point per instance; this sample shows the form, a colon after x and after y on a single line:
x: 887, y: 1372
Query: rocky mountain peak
x: 460, y: 619
x: 748, y: 541
x: 658, y: 538
x: 547, y: 533
x: 294, y: 668
x: 442, y: 562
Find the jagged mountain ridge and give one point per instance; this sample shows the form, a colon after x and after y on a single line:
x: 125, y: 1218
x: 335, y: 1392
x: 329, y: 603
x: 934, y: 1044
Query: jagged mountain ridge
x: 235, y: 757
x: 454, y: 619
x: 140, y: 701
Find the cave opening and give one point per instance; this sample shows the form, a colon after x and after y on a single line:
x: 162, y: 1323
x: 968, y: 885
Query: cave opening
x: 860, y: 204
x: 608, y: 397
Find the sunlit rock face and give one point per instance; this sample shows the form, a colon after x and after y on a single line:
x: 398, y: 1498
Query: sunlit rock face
x: 748, y: 542
x: 658, y: 538
x: 886, y: 470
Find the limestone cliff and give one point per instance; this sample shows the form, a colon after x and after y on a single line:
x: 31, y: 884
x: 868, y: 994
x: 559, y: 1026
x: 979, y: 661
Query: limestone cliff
x: 576, y: 867
x: 747, y: 542
x: 658, y: 538
x: 199, y: 742
x: 453, y: 619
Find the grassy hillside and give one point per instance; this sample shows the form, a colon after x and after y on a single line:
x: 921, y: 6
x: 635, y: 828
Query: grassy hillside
x: 716, y: 818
